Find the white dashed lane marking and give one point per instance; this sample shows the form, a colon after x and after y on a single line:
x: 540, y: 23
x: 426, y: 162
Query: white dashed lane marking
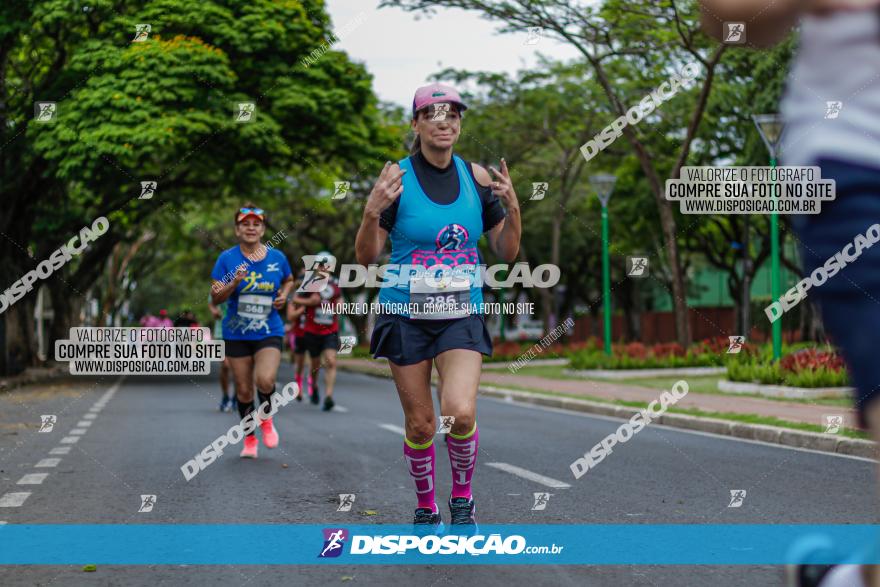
x: 530, y: 475
x: 14, y: 500
x: 33, y: 479
x: 393, y: 428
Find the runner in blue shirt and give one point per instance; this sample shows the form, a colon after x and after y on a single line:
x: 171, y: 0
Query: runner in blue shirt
x: 255, y: 280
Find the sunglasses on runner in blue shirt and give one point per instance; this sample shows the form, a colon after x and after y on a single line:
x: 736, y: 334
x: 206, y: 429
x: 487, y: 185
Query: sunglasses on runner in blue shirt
x: 245, y: 212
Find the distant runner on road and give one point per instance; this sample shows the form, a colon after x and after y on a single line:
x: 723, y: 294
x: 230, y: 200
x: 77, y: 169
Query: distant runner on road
x: 227, y: 402
x: 296, y: 321
x: 255, y: 280
x: 321, y: 336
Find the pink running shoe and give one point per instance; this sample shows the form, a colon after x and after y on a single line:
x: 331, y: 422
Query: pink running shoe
x: 250, y: 447
x: 270, y: 435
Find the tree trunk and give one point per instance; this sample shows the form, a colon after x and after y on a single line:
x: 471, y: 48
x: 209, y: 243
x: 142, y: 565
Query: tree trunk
x: 636, y: 310
x: 664, y: 207
x: 679, y: 291
x: 594, y: 320
x: 546, y: 296
x: 746, y: 301
x: 550, y: 313
x: 20, y: 340
x: 817, y: 329
x: 4, y: 364
x: 65, y: 313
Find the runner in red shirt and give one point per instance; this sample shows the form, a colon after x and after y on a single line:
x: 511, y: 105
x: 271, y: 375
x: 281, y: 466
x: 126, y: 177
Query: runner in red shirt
x: 296, y: 321
x: 321, y: 336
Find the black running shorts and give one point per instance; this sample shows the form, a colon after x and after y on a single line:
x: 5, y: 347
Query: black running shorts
x: 247, y: 348
x: 314, y: 344
x: 405, y: 341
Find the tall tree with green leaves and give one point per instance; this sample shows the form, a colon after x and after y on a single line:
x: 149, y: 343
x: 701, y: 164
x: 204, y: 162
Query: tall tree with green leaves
x: 161, y: 107
x: 537, y: 121
x: 632, y: 46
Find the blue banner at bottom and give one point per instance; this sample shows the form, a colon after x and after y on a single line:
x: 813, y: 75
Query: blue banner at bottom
x: 643, y: 544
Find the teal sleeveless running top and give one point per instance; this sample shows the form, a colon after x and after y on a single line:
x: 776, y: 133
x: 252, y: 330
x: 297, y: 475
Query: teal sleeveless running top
x: 427, y: 234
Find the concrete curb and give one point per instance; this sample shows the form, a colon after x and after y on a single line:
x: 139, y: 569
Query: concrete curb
x: 613, y: 374
x: 783, y: 390
x: 502, y: 365
x: 771, y: 434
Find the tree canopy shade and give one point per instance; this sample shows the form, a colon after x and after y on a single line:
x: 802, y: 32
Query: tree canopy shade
x: 162, y: 109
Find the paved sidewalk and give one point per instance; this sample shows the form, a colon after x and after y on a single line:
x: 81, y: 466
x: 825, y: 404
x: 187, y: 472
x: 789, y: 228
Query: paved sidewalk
x: 790, y: 411
x: 33, y: 375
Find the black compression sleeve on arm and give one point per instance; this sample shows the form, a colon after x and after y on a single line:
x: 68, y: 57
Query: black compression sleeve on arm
x: 389, y: 216
x: 493, y: 211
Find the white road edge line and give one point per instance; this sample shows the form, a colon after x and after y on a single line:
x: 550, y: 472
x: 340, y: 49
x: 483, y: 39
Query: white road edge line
x: 70, y: 440
x: 14, y: 499
x: 47, y: 463
x: 527, y: 405
x: 60, y: 450
x: 84, y: 423
x: 530, y: 475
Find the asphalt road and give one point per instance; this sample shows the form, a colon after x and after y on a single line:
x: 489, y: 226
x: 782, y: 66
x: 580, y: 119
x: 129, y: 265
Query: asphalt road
x: 143, y: 432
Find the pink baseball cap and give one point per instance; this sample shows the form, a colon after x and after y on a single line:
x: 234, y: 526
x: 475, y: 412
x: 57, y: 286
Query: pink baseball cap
x: 436, y: 93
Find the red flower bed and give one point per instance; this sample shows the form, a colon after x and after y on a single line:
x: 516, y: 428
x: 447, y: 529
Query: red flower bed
x: 668, y: 349
x: 507, y: 349
x: 811, y: 360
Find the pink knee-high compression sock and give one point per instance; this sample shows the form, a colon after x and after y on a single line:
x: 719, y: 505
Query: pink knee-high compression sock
x: 420, y: 464
x: 463, y: 458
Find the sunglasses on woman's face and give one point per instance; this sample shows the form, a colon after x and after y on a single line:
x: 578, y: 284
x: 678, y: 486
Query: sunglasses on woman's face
x: 243, y: 213
x: 441, y: 112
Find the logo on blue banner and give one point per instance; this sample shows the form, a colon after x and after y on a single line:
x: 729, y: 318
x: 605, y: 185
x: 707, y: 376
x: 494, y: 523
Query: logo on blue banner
x: 334, y: 540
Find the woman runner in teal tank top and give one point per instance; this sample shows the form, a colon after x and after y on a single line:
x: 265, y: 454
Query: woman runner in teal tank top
x: 434, y: 206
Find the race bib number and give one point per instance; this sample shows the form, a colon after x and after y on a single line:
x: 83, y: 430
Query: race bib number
x: 254, y: 307
x: 440, y: 298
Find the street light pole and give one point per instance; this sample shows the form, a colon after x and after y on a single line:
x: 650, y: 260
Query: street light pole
x: 770, y: 126
x: 604, y: 186
x: 606, y: 281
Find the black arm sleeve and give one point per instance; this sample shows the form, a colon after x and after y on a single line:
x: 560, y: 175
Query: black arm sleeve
x: 389, y: 216
x: 493, y: 211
